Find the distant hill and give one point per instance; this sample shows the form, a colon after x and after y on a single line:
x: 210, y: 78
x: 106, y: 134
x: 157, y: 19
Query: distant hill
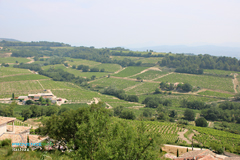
x: 205, y: 49
x: 8, y: 39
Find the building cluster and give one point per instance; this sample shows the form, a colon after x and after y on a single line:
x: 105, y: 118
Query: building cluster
x: 36, y: 97
x: 17, y: 134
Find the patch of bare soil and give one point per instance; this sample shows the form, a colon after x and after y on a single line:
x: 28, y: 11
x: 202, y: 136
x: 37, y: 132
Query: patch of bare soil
x: 33, y: 123
x: 31, y: 60
x: 119, y: 70
x: 181, y: 136
x: 235, y: 82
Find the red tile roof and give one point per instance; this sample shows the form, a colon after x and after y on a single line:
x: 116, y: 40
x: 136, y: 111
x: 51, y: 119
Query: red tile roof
x: 4, y: 120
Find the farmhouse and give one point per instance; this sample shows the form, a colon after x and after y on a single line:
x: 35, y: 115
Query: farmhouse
x: 17, y: 134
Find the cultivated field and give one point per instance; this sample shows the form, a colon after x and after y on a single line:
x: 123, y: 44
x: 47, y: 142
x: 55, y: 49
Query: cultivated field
x: 129, y: 71
x: 13, y: 60
x: 216, y: 94
x: 19, y: 88
x: 9, y: 71
x: 73, y: 61
x: 119, y: 83
x: 142, y: 88
x: 23, y: 78
x: 151, y: 74
x: 203, y: 81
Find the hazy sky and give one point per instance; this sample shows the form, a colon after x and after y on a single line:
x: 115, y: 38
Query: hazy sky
x: 109, y: 23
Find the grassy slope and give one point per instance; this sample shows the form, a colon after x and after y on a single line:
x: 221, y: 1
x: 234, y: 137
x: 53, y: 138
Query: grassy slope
x: 23, y: 78
x: 203, y: 81
x: 5, y: 71
x: 129, y: 71
x: 13, y: 60
x: 150, y: 74
x: 119, y: 83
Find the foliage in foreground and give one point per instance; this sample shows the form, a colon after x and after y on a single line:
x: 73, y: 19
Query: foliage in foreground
x: 91, y: 135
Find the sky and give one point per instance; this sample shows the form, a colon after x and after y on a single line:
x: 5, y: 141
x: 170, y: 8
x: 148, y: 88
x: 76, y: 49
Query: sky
x: 130, y: 23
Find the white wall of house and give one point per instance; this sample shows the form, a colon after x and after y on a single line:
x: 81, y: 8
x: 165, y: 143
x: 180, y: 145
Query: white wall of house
x: 3, y: 128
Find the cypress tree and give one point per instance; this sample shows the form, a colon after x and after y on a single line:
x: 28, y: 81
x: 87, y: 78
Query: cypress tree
x: 177, y: 153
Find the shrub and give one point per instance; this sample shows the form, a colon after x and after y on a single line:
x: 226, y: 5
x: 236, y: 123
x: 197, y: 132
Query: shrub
x: 202, y: 122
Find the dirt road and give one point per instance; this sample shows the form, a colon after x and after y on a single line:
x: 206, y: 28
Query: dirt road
x: 181, y: 136
x: 235, y: 82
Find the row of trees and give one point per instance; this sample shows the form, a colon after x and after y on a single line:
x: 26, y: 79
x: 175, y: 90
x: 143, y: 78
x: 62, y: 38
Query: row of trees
x: 111, y: 90
x: 86, y: 68
x: 37, y: 43
x: 186, y: 87
x: 198, y: 62
x: 38, y: 111
x: 155, y: 102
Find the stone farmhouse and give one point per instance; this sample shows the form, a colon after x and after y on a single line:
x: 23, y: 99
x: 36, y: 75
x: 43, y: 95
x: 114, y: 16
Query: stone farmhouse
x: 36, y: 97
x: 18, y: 134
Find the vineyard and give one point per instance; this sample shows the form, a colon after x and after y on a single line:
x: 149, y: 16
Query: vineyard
x: 167, y: 131
x: 129, y: 71
x: 7, y: 71
x: 150, y: 75
x: 208, y: 136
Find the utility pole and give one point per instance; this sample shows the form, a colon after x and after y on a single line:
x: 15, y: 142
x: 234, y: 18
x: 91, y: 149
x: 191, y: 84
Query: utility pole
x: 192, y: 143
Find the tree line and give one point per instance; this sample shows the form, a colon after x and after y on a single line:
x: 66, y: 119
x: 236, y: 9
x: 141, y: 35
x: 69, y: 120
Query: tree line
x: 37, y: 43
x: 196, y: 63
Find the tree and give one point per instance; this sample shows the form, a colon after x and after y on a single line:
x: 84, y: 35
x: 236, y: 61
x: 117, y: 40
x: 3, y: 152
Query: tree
x: 13, y: 96
x: 127, y: 114
x: 139, y: 78
x: 237, y: 97
x: 93, y: 77
x: 102, y: 70
x: 173, y: 113
x: 73, y: 66
x: 118, y: 110
x: 28, y: 102
x: 177, y: 153
x: 132, y: 98
x: 79, y: 67
x: 85, y: 68
x: 90, y: 134
x: 147, y: 112
x: 94, y: 69
x: 157, y: 91
x: 186, y: 87
x: 202, y: 122
x: 109, y: 75
x: 26, y: 113
x: 189, y: 115
x: 17, y: 62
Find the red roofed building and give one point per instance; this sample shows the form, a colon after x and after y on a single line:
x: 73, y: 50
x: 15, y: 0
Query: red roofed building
x: 18, y: 134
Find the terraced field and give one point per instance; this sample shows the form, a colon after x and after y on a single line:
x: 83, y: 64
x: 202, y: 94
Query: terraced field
x: 203, y: 81
x: 19, y: 88
x: 142, y: 88
x: 23, y: 78
x: 216, y: 94
x: 119, y: 83
x: 7, y: 71
x: 73, y: 61
x: 13, y: 60
x: 109, y: 67
x: 130, y: 71
x: 150, y: 74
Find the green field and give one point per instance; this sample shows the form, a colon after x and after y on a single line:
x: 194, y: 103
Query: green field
x: 151, y: 74
x: 218, y: 72
x: 109, y: 67
x: 177, y: 98
x: 23, y: 78
x: 6, y: 71
x: 216, y: 94
x: 13, y: 60
x: 119, y: 83
x: 144, y: 88
x: 73, y: 61
x: 19, y: 88
x: 203, y: 81
x: 129, y: 71
x: 151, y: 60
x: 128, y: 57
